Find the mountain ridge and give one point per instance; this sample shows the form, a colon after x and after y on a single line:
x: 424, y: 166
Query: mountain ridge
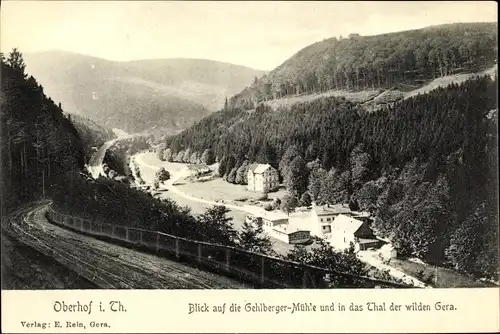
x: 383, y: 61
x: 131, y: 95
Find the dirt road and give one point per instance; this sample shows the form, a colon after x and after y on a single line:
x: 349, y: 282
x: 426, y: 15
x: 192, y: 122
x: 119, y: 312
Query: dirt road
x: 107, y: 265
x: 24, y: 268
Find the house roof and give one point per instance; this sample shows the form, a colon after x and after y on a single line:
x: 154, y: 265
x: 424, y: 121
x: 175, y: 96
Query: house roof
x: 348, y: 224
x: 300, y: 220
x: 387, y: 247
x: 332, y: 210
x: 289, y: 228
x: 269, y: 215
x: 368, y: 241
x: 259, y: 168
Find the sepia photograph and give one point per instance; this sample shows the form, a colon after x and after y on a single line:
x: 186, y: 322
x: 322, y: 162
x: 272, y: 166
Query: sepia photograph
x: 182, y: 145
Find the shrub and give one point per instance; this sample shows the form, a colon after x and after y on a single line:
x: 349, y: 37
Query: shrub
x: 264, y: 197
x: 162, y: 175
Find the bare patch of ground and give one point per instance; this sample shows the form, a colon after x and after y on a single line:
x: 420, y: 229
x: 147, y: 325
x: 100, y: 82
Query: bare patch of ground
x: 437, y: 277
x: 24, y: 268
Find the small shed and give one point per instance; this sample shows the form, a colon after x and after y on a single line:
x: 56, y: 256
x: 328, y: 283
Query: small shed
x: 388, y: 252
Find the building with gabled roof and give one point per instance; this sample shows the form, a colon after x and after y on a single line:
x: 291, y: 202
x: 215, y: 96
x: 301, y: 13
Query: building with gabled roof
x: 262, y: 177
x: 347, y: 230
x: 324, y: 215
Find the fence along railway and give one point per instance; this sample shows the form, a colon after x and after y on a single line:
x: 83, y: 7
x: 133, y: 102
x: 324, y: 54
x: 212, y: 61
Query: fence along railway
x: 263, y: 270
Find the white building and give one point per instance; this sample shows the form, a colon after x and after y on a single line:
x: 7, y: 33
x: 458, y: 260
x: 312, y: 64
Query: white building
x: 272, y: 219
x: 291, y: 234
x: 337, y: 224
x: 276, y: 225
x: 347, y: 230
x: 388, y: 252
x: 322, y: 218
x: 262, y: 177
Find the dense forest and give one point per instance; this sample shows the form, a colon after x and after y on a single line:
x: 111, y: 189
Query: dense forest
x: 91, y: 133
x: 402, y: 59
x: 426, y: 167
x: 117, y: 157
x: 38, y: 143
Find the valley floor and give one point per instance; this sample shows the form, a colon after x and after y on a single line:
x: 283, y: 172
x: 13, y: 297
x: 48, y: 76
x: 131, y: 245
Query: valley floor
x: 149, y: 165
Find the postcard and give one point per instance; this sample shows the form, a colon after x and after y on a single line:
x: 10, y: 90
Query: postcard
x: 241, y: 166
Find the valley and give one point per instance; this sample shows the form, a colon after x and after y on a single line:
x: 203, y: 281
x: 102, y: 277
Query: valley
x: 368, y: 160
x: 167, y: 95
x: 198, y: 201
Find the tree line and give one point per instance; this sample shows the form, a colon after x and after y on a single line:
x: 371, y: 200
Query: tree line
x: 425, y: 166
x: 400, y: 60
x: 38, y: 142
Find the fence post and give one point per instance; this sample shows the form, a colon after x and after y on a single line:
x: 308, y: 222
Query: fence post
x: 199, y: 253
x: 100, y: 229
x: 157, y: 241
x: 177, y: 248
x: 140, y: 237
x: 82, y: 225
x: 262, y: 273
x: 126, y: 233
x: 227, y: 258
x: 113, y: 230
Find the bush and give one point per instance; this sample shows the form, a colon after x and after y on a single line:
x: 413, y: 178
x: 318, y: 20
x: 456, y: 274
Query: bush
x: 276, y: 203
x: 112, y: 174
x: 264, y: 197
x: 268, y: 207
x: 162, y: 175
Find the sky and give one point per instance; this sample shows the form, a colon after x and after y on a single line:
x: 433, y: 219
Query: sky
x: 261, y: 35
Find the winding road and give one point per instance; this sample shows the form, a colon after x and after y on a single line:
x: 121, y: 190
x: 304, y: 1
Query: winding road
x: 107, y: 265
x: 176, y: 175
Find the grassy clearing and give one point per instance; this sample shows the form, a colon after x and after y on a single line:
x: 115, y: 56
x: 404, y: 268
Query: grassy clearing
x: 379, y: 96
x: 447, y: 80
x: 357, y: 97
x: 446, y: 278
x: 217, y: 189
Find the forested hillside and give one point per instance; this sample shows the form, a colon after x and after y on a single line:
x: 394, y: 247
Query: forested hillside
x: 403, y: 60
x: 38, y: 143
x: 426, y: 167
x: 91, y: 133
x: 166, y: 94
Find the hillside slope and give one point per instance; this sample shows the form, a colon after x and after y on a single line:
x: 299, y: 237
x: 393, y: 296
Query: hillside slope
x: 402, y: 60
x: 91, y: 133
x: 170, y: 94
x: 426, y: 167
x: 39, y: 144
